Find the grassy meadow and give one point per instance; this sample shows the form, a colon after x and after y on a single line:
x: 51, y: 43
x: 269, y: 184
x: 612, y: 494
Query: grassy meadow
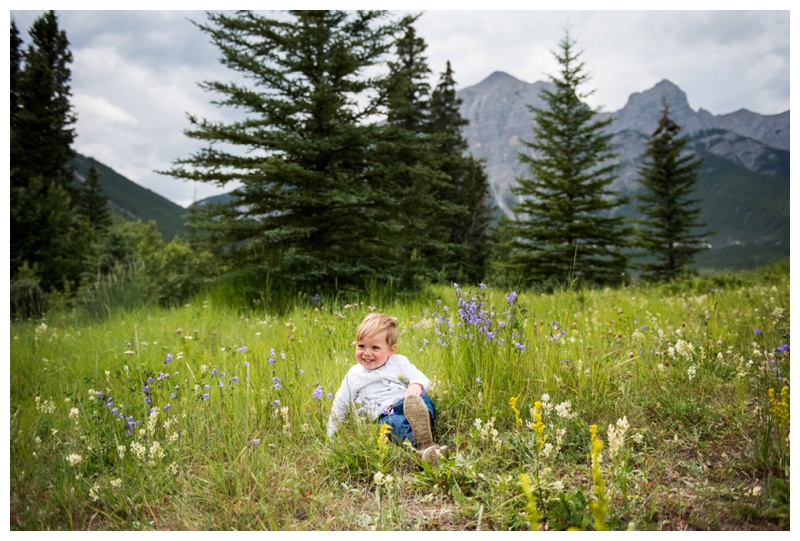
x: 645, y: 408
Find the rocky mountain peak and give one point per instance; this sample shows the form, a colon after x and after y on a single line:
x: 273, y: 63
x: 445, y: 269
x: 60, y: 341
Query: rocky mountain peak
x: 500, y: 121
x: 499, y: 78
x: 643, y: 109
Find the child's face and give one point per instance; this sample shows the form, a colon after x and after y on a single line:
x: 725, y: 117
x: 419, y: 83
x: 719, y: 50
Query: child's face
x: 373, y: 351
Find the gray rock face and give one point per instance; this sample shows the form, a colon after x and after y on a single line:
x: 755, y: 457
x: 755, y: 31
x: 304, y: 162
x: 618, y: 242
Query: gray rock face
x: 500, y: 120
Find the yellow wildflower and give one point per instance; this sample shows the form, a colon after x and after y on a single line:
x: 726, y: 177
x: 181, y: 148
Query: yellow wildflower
x: 600, y: 504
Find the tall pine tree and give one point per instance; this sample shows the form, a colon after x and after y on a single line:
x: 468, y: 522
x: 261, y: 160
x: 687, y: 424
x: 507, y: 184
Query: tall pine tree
x: 42, y: 129
x: 415, y: 154
x: 44, y: 232
x: 669, y: 232
x: 563, y: 227
x: 318, y: 205
x: 93, y: 203
x: 467, y: 229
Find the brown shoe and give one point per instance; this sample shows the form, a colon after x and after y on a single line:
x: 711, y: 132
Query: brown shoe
x: 432, y: 453
x: 419, y: 418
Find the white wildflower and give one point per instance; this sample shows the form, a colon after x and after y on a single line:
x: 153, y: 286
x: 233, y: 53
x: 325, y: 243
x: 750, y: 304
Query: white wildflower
x: 565, y: 410
x: 152, y: 421
x: 691, y: 372
x: 74, y: 459
x: 93, y: 491
x: 138, y: 449
x: 116, y: 483
x: 44, y: 406
x: 616, y: 436
x: 156, y: 451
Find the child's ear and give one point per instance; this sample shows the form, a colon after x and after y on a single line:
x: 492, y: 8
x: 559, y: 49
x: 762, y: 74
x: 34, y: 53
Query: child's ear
x: 392, y: 349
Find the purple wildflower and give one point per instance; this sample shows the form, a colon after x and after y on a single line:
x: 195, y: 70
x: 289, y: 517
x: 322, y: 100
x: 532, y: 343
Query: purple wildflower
x: 758, y: 331
x: 482, y: 285
x: 179, y: 330
x: 511, y: 297
x: 478, y: 380
x: 256, y: 441
x: 147, y: 399
x: 205, y: 396
x: 235, y: 379
x: 242, y: 349
x: 168, y: 359
x: 166, y: 408
x: 318, y: 392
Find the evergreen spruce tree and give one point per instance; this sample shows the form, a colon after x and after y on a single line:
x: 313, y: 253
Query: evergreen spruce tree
x: 44, y: 230
x: 409, y: 91
x: 43, y: 131
x: 563, y: 227
x: 669, y: 233
x: 318, y: 205
x: 93, y: 203
x: 414, y: 152
x: 466, y: 230
x: 15, y: 54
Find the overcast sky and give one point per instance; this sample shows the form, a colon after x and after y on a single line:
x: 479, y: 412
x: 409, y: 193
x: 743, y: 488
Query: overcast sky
x: 135, y: 74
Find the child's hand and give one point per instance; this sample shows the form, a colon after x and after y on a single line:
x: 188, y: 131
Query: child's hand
x: 414, y: 389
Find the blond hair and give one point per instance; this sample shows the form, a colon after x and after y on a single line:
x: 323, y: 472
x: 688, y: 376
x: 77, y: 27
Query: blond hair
x: 376, y: 323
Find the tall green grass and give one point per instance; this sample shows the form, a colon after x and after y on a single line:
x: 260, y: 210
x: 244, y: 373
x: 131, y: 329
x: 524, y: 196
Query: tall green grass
x: 676, y: 379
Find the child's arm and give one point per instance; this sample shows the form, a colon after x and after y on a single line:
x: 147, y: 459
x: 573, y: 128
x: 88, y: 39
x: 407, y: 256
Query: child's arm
x: 338, y: 408
x: 417, y: 381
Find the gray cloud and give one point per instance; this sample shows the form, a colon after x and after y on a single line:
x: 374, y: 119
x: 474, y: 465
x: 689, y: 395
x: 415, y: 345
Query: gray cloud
x: 136, y: 73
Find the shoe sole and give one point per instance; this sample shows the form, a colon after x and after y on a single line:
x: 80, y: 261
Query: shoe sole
x: 419, y: 418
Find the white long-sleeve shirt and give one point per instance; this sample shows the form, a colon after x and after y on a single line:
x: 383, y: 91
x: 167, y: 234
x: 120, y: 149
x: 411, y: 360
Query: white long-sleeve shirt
x: 374, y: 390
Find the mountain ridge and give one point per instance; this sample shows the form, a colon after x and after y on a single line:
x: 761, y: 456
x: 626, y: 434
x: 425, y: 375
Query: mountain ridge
x: 500, y: 120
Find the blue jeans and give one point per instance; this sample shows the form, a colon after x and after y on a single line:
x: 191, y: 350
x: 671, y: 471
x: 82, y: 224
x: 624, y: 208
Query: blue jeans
x: 401, y: 428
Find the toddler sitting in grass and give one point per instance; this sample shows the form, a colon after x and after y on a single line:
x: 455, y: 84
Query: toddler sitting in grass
x: 388, y: 387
